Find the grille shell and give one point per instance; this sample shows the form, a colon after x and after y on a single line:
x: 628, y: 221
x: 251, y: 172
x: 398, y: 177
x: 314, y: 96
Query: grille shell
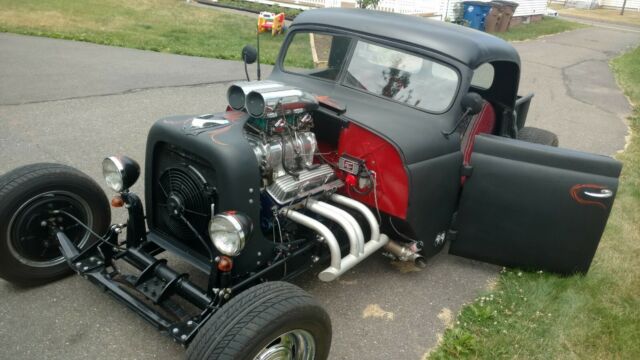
x: 182, y: 182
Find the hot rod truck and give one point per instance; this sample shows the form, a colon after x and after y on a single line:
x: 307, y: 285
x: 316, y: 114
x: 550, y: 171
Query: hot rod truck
x: 375, y: 132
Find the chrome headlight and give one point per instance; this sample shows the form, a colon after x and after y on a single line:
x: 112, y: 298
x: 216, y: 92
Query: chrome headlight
x: 229, y: 231
x: 120, y: 172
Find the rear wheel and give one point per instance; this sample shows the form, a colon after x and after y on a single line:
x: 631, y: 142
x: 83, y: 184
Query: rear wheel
x: 274, y: 320
x: 29, y: 196
x: 538, y: 136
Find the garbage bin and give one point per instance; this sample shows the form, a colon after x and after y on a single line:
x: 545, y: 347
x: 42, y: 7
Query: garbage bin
x: 506, y: 8
x: 475, y: 13
x: 492, y: 19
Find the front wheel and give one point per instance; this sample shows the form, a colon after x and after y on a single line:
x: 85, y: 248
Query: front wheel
x: 29, y: 198
x: 273, y: 320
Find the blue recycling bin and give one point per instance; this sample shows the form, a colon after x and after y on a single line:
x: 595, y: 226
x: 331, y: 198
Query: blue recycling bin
x: 475, y: 13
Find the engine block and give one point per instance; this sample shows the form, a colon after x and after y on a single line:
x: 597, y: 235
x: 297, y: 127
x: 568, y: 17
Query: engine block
x: 288, y: 188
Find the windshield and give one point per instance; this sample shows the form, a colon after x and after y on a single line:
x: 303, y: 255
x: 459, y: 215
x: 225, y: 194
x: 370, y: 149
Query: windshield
x: 403, y: 77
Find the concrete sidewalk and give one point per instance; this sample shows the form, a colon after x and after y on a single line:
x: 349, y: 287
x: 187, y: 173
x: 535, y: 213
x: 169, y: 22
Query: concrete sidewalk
x: 576, y: 95
x: 603, y: 24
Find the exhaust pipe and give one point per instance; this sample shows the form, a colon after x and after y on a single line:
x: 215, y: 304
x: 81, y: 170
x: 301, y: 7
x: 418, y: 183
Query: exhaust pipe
x: 349, y: 261
x: 323, y: 231
x: 406, y: 253
x: 363, y: 209
x: 359, y: 250
x: 344, y: 219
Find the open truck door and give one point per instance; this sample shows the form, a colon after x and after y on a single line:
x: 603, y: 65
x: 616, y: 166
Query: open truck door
x: 534, y: 206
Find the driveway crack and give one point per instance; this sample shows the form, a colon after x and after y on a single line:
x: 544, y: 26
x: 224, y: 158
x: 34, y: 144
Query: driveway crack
x: 577, y: 47
x: 566, y: 82
x: 541, y: 64
x: 125, y: 92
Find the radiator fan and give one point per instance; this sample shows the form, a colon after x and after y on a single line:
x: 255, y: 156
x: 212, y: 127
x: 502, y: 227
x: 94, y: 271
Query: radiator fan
x: 183, y: 197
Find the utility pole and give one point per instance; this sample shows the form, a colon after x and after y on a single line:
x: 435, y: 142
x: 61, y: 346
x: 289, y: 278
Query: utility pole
x: 624, y: 4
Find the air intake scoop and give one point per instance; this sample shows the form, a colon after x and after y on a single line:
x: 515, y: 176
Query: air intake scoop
x: 237, y: 93
x: 269, y: 103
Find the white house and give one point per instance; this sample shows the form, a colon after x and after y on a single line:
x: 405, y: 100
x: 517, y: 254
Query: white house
x: 439, y: 9
x: 594, y: 4
x: 617, y: 4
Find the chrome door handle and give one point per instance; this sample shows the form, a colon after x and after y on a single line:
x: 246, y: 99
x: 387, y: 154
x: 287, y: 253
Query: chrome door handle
x: 603, y: 194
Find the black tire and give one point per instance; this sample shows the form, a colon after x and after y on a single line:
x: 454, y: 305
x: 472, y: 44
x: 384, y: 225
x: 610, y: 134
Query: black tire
x: 538, y: 136
x: 255, y: 318
x: 27, y: 194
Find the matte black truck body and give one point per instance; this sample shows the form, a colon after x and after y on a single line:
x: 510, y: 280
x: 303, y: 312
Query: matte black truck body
x: 396, y: 134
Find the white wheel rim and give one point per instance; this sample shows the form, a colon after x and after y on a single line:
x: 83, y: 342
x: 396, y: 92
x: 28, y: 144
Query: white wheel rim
x: 293, y: 345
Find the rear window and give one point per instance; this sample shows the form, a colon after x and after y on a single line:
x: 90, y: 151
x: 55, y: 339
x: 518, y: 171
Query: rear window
x: 483, y: 76
x: 316, y: 54
x: 403, y: 77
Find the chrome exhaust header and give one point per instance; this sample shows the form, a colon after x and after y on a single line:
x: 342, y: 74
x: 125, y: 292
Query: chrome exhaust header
x: 363, y: 209
x: 325, y: 235
x: 358, y: 248
x: 344, y: 219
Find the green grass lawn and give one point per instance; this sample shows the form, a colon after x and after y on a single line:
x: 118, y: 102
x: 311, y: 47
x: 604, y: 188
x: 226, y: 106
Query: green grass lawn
x: 160, y: 25
x: 172, y: 26
x: 542, y: 316
x: 546, y: 26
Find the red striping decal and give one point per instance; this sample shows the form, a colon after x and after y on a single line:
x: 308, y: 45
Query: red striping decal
x: 576, y: 191
x: 233, y: 115
x: 216, y: 132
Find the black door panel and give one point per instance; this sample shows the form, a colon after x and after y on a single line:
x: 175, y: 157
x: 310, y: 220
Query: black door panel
x: 533, y: 206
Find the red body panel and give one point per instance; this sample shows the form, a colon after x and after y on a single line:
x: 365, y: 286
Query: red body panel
x: 381, y: 157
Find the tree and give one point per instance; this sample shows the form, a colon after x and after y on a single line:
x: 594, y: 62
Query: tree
x: 364, y: 4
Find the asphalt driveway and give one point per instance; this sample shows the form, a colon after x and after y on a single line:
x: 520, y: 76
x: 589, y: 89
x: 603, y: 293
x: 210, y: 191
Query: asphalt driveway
x: 75, y: 103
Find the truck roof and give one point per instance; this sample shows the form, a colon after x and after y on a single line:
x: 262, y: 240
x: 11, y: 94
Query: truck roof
x: 469, y: 46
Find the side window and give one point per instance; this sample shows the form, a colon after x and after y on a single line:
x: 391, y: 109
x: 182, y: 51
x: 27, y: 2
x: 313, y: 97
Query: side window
x: 483, y: 76
x: 316, y: 54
